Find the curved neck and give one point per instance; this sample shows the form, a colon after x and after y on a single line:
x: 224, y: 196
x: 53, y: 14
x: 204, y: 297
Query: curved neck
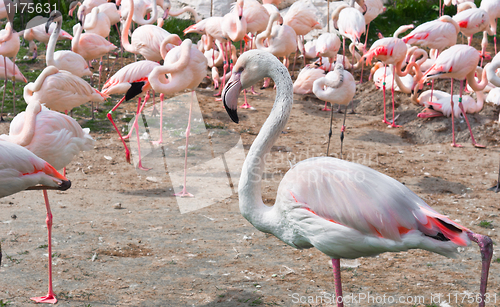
x: 49, y: 54
x: 125, y: 43
x: 77, y: 32
x: 28, y: 131
x: 170, y: 39
x: 402, y: 29
x: 490, y: 69
x: 180, y: 64
x: 139, y: 19
x: 474, y: 84
x: 186, y: 9
x: 249, y: 190
x: 93, y: 18
x: 446, y: 18
x: 259, y: 41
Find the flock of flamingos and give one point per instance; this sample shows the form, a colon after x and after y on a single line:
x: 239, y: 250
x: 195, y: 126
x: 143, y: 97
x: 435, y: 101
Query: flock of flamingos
x: 321, y: 202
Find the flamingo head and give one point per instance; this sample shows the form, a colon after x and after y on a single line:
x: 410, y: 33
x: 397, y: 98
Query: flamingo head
x: 55, y: 16
x: 250, y: 67
x: 72, y: 7
x: 239, y: 8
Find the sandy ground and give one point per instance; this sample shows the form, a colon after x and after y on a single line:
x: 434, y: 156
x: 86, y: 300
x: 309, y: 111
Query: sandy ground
x: 158, y: 250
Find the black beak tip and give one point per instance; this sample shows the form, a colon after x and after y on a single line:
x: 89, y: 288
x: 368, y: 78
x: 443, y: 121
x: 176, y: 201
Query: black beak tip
x: 47, y: 27
x: 233, y: 114
x: 66, y: 184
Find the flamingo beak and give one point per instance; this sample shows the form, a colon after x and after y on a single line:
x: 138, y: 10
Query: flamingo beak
x: 165, y: 15
x: 230, y: 95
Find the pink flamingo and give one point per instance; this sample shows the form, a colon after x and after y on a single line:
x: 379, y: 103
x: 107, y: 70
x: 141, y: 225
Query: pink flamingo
x: 85, y: 7
x: 139, y: 9
x: 20, y: 169
x: 493, y: 9
x: 302, y: 19
x: 39, y: 33
x: 56, y: 138
x: 97, y: 22
x: 109, y: 8
x: 391, y: 51
x: 9, y: 47
x: 372, y: 9
x: 186, y: 9
x: 60, y: 90
x: 328, y: 45
x: 350, y: 23
x: 304, y: 82
x: 132, y: 80
x: 256, y: 17
x: 441, y: 104
x: 90, y: 46
x: 322, y: 203
x: 451, y: 63
x: 63, y: 59
x: 12, y: 70
x: 436, y: 34
x: 146, y: 40
x: 472, y: 20
x: 186, y: 67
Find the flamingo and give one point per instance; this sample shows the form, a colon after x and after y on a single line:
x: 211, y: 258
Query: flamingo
x: 132, y: 80
x: 60, y: 90
x: 109, y: 8
x: 327, y: 45
x: 167, y: 8
x: 281, y: 39
x: 441, y: 105
x: 322, y: 203
x: 373, y: 9
x: 472, y: 20
x: 450, y: 63
x: 186, y: 67
x: 436, y: 34
x: 350, y: 23
x: 493, y: 9
x: 146, y: 40
x: 256, y: 16
x: 301, y: 17
x: 97, y: 22
x: 20, y: 169
x: 304, y: 82
x: 139, y: 9
x: 85, y: 7
x: 9, y: 47
x: 12, y: 70
x: 56, y: 138
x: 90, y: 46
x: 338, y: 86
x: 39, y: 33
x: 63, y: 59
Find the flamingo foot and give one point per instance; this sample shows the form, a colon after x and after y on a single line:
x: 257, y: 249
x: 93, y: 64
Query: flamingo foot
x: 395, y: 126
x: 478, y: 145
x: 352, y: 112
x: 50, y: 298
x: 157, y: 143
x: 183, y: 193
x: 327, y: 109
x: 155, y: 112
x: 247, y: 106
x: 254, y: 92
x: 139, y: 166
x: 495, y: 188
x: 386, y: 122
x: 456, y: 145
x: 127, y: 157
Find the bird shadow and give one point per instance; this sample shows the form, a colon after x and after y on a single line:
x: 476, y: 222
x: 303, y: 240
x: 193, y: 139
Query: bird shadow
x: 436, y: 185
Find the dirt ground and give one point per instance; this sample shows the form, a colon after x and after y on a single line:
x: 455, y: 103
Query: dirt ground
x: 121, y: 238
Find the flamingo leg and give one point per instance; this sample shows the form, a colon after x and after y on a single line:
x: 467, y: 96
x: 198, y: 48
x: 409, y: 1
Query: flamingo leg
x: 246, y: 105
x: 13, y: 85
x: 453, y: 144
x: 4, y: 87
x: 184, y: 192
x: 342, y: 130
x: 155, y: 111
x: 160, y: 140
x: 50, y: 298
x: 146, y: 98
x: 110, y: 117
x: 393, y: 124
x: 383, y: 93
x: 325, y: 108
x: 295, y: 58
x: 486, y: 248
x: 225, y: 65
x: 136, y: 126
x: 496, y: 188
x: 466, y: 119
x: 338, y: 282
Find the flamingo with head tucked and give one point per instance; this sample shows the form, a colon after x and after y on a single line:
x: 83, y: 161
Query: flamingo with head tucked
x: 322, y: 203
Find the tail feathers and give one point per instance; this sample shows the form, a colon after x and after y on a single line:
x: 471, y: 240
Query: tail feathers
x: 190, y: 29
x: 66, y: 35
x: 102, y: 94
x: 441, y: 228
x: 51, y: 171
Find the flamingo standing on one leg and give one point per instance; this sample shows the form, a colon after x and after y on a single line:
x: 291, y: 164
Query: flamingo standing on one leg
x: 451, y: 64
x: 339, y: 87
x: 56, y: 138
x: 493, y: 9
x: 185, y: 67
x: 322, y: 203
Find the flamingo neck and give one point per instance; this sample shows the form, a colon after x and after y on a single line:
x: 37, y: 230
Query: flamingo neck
x: 249, y: 190
x: 478, y: 106
x: 139, y: 19
x: 474, y: 84
x: 49, y: 55
x: 28, y: 131
x: 125, y: 43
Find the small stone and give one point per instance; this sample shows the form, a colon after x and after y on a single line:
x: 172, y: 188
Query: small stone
x: 117, y: 206
x: 13, y: 216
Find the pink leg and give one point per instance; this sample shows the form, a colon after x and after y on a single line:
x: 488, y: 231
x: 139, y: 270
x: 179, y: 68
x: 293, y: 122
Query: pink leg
x: 225, y: 66
x: 253, y: 91
x: 383, y: 93
x: 246, y: 105
x: 50, y: 298
x: 486, y: 248
x: 466, y: 119
x: 110, y: 117
x: 338, y: 282
x: 325, y: 108
x: 495, y: 40
x: 393, y: 125
x: 184, y: 193
x: 14, y: 86
x: 454, y: 144
x: 146, y: 98
x: 136, y: 126
x: 4, y: 87
x: 160, y: 140
x: 295, y: 58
